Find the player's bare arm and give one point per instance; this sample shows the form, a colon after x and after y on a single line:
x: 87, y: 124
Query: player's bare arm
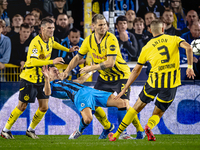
x: 74, y: 48
x: 189, y: 72
x: 189, y: 51
x: 57, y: 45
x: 73, y: 63
x: 47, y: 87
x: 134, y: 74
x: 83, y: 78
x: 109, y: 63
x: 58, y: 60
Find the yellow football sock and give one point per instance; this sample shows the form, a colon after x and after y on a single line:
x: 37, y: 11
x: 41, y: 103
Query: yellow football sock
x: 101, y: 116
x: 128, y: 118
x: 37, y: 118
x: 153, y: 121
x: 13, y: 117
x: 136, y: 123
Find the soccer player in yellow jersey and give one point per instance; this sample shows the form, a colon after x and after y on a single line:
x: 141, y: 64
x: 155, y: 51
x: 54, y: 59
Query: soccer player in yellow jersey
x: 32, y: 79
x: 113, y: 70
x: 163, y: 54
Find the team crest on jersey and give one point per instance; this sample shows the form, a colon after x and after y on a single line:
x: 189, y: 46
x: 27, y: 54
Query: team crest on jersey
x: 82, y: 104
x: 42, y: 56
x: 112, y: 47
x: 34, y: 51
x: 26, y: 97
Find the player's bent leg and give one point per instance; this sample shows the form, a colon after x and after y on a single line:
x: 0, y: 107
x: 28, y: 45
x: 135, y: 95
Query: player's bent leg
x: 6, y: 133
x: 152, y: 122
x: 39, y: 114
x: 140, y: 131
x: 119, y: 103
x: 105, y: 132
x: 86, y: 113
x: 122, y: 105
x: 102, y: 118
x: 128, y: 118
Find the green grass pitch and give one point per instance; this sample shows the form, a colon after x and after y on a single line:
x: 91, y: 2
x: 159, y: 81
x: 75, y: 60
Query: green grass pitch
x: 91, y: 142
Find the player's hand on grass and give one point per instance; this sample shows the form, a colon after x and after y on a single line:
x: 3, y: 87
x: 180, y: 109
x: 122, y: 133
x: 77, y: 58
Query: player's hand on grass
x: 190, y: 73
x: 74, y: 48
x: 58, y: 60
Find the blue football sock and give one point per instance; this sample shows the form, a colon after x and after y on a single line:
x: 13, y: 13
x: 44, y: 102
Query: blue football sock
x: 82, y: 125
x: 120, y: 115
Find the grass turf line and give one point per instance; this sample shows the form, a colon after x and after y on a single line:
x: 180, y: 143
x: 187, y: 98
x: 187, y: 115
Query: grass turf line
x: 60, y: 142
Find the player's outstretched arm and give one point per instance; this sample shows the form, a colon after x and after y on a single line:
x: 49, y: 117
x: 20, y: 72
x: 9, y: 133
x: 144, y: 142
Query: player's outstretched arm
x: 73, y: 63
x: 83, y: 78
x: 189, y: 72
x: 47, y: 86
x: 56, y: 45
x: 134, y: 74
x: 109, y: 63
x: 189, y: 51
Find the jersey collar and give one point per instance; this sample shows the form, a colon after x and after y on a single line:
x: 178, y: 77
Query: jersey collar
x: 101, y: 39
x: 42, y: 39
x: 157, y: 36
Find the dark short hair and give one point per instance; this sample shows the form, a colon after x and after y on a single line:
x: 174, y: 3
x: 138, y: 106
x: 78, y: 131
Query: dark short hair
x: 73, y: 30
x: 150, y: 12
x: 29, y: 14
x: 25, y: 25
x: 121, y: 18
x: 46, y: 20
x: 18, y: 15
x: 62, y: 14
x: 97, y: 17
x: 39, y: 11
x: 167, y: 10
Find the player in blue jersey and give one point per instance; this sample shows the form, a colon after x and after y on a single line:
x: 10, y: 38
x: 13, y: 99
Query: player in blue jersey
x: 84, y: 98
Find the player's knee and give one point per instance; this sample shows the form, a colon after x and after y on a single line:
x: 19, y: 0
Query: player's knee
x: 44, y: 108
x: 22, y: 106
x: 123, y: 104
x: 88, y: 119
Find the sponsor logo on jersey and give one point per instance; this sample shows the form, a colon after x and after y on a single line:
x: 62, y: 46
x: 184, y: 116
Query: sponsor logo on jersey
x: 112, y: 47
x: 99, y: 57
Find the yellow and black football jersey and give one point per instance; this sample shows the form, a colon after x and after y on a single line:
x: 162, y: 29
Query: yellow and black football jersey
x: 39, y: 54
x: 109, y: 46
x: 163, y: 54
